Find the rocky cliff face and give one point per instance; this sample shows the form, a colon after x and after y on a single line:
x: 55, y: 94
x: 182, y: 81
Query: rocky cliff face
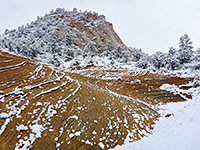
x: 86, y: 27
x: 61, y: 36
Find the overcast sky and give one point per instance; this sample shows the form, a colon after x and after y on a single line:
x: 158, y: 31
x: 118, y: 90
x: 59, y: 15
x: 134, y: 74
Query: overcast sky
x: 152, y: 25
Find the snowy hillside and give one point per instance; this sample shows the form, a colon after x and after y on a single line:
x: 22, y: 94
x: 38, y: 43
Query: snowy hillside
x: 65, y: 38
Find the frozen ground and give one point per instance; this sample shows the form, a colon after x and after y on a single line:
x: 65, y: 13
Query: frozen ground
x: 180, y: 131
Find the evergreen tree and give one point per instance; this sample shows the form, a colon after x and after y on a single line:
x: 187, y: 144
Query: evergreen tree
x: 137, y: 54
x: 197, y: 56
x: 158, y: 60
x: 185, y: 51
x: 172, y: 59
x: 197, y: 60
x: 90, y: 49
x: 143, y: 63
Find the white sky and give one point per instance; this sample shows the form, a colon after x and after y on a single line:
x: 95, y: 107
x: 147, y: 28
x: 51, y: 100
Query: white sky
x: 151, y: 25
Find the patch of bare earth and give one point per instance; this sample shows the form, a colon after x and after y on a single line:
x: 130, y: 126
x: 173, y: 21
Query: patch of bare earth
x: 77, y: 111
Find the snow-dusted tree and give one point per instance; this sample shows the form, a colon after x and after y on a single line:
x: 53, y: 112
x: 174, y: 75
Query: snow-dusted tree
x: 109, y: 46
x: 75, y: 10
x: 120, y: 54
x: 196, y: 58
x: 90, y: 49
x: 158, y: 59
x: 197, y: 55
x: 53, y: 45
x: 172, y: 59
x: 107, y: 54
x: 143, y: 63
x: 125, y: 56
x: 6, y: 31
x: 69, y: 54
x: 75, y: 62
x: 137, y: 54
x: 185, y: 51
x: 55, y: 61
x: 67, y: 40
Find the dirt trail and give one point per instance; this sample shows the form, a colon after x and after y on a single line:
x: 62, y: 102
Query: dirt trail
x: 50, y: 109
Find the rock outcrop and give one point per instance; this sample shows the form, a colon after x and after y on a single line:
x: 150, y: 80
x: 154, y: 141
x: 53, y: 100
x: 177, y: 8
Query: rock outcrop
x: 61, y: 36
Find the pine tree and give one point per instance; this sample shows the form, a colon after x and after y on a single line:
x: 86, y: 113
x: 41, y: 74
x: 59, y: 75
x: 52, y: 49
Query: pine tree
x: 197, y: 56
x: 137, y: 54
x: 185, y: 51
x: 172, y: 59
x: 142, y: 63
x: 158, y: 60
x: 90, y: 49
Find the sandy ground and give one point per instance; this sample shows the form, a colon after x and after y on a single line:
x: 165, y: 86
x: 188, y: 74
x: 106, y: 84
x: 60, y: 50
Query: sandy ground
x: 91, y: 108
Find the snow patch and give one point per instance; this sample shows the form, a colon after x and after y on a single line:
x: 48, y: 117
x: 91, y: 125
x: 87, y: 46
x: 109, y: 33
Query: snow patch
x: 38, y: 104
x: 4, y: 115
x: 101, y: 145
x: 94, y: 132
x: 78, y: 133
x: 37, y: 129
x: 21, y: 128
x: 74, y: 116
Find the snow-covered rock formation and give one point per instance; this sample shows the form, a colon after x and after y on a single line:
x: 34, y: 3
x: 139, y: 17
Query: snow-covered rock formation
x: 61, y: 36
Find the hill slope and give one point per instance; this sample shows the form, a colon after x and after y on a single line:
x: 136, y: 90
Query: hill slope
x: 63, y: 38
